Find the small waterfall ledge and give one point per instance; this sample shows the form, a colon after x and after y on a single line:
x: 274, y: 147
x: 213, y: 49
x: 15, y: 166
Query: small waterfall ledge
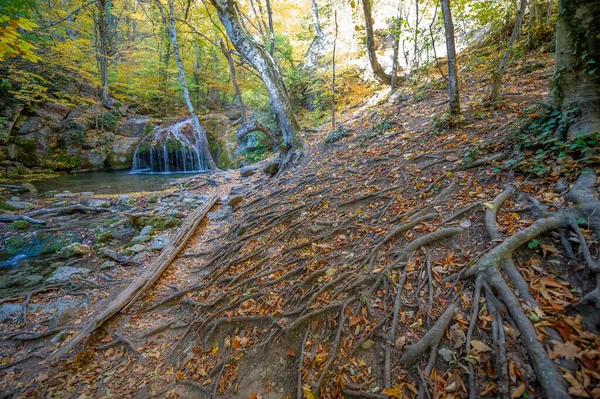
x: 172, y: 149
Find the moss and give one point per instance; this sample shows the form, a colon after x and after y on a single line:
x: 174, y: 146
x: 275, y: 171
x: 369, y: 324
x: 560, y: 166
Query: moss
x: 14, y: 244
x: 54, y: 245
x: 159, y: 223
x: 19, y: 225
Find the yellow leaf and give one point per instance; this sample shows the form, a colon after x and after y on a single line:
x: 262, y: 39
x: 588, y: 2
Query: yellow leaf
x: 307, y: 392
x: 395, y: 392
x: 488, y: 205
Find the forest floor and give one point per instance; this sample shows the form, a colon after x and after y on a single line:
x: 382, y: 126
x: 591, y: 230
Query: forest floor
x: 399, y: 259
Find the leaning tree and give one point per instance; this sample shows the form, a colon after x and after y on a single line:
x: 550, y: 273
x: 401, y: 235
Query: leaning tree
x: 576, y: 85
x: 262, y: 61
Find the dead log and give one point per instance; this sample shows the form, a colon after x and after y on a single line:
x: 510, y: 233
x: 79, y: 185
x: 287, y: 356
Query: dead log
x: 145, y: 281
x: 13, y: 218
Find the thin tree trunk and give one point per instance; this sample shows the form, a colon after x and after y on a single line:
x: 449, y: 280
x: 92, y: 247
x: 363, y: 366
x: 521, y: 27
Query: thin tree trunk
x: 497, y: 78
x: 236, y: 89
x: 417, y: 35
x: 576, y: 90
x: 378, y: 71
x: 102, y: 27
x: 316, y: 22
x: 452, y: 70
x: 201, y: 134
x: 396, y: 48
x: 333, y: 71
x: 269, y: 73
x: 271, y: 30
x: 437, y: 64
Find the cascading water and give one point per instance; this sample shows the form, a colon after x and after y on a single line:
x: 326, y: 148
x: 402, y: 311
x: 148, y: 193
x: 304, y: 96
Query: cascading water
x: 172, y: 149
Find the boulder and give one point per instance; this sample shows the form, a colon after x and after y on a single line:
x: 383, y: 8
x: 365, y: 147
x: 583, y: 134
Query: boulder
x: 271, y: 168
x: 19, y: 204
x: 74, y: 250
x: 28, y: 187
x: 31, y: 125
x: 160, y: 242
x: 247, y: 171
x: 137, y: 248
x: 97, y: 203
x: 134, y: 126
x: 220, y: 214
x: 125, y: 200
x: 92, y: 159
x: 109, y: 264
x: 53, y: 111
x: 121, y: 153
x: 235, y: 200
x: 64, y: 273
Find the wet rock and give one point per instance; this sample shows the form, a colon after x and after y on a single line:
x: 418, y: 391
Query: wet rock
x: 247, y: 171
x: 137, y: 248
x: 121, y: 153
x: 19, y: 204
x: 235, y: 200
x: 64, y: 273
x: 92, y: 159
x: 28, y: 187
x: 74, y: 250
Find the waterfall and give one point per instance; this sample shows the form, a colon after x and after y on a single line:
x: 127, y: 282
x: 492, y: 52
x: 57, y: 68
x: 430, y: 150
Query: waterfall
x: 172, y: 149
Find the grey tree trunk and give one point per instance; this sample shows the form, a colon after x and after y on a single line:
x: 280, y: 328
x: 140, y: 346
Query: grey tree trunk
x: 203, y: 141
x: 316, y: 22
x: 333, y: 71
x: 378, y: 70
x: 236, y: 89
x: 102, y: 27
x: 396, y: 28
x: 576, y: 88
x: 271, y: 30
x: 497, y: 78
x: 268, y: 71
x: 452, y: 70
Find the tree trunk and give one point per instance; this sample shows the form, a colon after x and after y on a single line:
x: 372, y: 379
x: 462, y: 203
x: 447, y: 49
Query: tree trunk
x: 396, y: 28
x: 236, y: 89
x: 271, y: 30
x: 333, y: 71
x: 378, y: 71
x: 102, y: 26
x: 576, y: 88
x: 265, y: 65
x: 416, y: 35
x: 452, y: 74
x: 316, y: 22
x: 201, y: 134
x: 497, y: 78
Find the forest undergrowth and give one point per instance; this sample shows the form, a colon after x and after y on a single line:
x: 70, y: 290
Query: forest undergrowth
x: 403, y: 257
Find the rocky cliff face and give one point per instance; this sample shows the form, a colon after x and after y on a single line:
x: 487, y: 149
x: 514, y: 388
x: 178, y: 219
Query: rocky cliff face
x: 58, y: 137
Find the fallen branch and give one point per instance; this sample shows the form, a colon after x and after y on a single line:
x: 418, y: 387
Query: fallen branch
x: 145, y: 281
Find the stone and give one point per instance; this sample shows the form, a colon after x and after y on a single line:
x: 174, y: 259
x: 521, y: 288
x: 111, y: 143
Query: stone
x: 134, y: 126
x: 220, y: 214
x: 65, y: 195
x: 109, y: 264
x: 174, y: 213
x: 31, y: 125
x: 147, y: 230
x: 64, y: 273
x: 74, y: 250
x: 152, y: 198
x: 124, y: 200
x: 97, y: 203
x: 15, y: 198
x: 141, y: 238
x: 28, y: 187
x: 140, y: 256
x: 10, y: 311
x: 62, y: 317
x: 92, y: 159
x: 271, y: 168
x: 160, y: 242
x: 247, y: 171
x: 19, y: 204
x: 235, y: 200
x: 86, y: 193
x: 137, y: 248
x: 34, y: 279
x: 121, y: 153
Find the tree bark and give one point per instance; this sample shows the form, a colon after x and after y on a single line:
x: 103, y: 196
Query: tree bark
x: 201, y: 133
x: 378, y: 70
x: 452, y: 74
x: 396, y: 27
x: 236, y: 88
x: 268, y: 71
x: 102, y: 27
x: 316, y: 22
x: 271, y: 30
x: 576, y: 87
x: 497, y: 79
x: 333, y: 71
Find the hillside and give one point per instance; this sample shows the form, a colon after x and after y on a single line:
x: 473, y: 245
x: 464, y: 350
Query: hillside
x: 401, y: 257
